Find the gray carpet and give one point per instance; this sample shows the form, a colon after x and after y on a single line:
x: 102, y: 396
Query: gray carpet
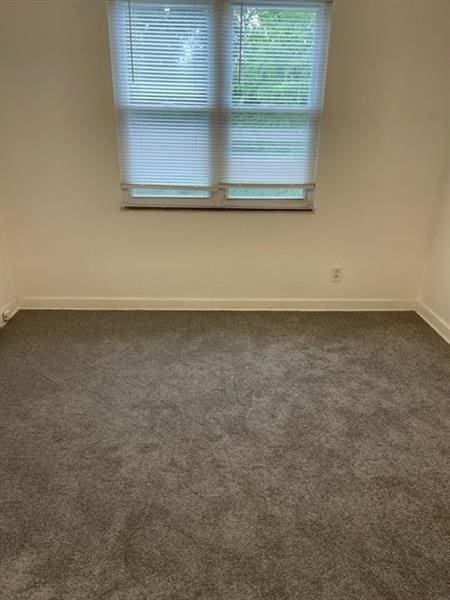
x: 234, y: 456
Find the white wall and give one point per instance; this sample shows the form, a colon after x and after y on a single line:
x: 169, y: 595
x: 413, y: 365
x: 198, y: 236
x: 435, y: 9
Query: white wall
x: 434, y: 304
x: 6, y: 284
x: 436, y: 290
x: 381, y: 154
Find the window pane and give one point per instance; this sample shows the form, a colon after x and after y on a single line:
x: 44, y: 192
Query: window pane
x: 169, y: 193
x: 168, y: 147
x: 262, y: 193
x: 163, y: 84
x: 169, y: 54
x: 278, y: 52
x: 270, y: 147
x: 273, y: 55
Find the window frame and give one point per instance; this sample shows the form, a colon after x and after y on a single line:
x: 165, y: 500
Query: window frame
x: 218, y: 198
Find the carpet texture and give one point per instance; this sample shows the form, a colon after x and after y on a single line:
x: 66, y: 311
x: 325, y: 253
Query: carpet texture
x: 234, y: 456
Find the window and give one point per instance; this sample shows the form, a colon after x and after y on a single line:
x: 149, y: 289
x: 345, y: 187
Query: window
x: 219, y: 102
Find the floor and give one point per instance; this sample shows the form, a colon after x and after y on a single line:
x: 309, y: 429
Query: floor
x: 234, y: 456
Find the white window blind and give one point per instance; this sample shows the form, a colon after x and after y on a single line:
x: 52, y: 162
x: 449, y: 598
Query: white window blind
x: 219, y: 102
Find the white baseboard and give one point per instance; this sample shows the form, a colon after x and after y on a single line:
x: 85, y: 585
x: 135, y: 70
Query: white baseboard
x: 434, y: 320
x: 11, y: 309
x: 240, y: 304
x: 236, y: 304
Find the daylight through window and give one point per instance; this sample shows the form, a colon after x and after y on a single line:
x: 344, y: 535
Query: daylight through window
x: 219, y: 102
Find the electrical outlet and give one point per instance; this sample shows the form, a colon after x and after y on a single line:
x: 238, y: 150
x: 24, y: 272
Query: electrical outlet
x: 336, y: 274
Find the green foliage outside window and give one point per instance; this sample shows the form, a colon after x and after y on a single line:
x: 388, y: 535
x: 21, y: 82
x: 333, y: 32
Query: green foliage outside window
x: 272, y: 58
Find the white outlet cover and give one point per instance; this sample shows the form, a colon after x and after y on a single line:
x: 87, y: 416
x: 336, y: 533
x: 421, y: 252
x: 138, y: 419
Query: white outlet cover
x: 337, y: 272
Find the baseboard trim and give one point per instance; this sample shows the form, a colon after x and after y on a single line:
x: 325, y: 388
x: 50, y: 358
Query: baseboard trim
x: 11, y: 309
x: 238, y: 304
x: 234, y: 304
x: 434, y: 320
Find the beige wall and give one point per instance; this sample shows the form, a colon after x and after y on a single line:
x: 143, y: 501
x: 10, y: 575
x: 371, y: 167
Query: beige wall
x: 435, y: 294
x: 6, y: 285
x: 381, y: 154
x: 436, y: 290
